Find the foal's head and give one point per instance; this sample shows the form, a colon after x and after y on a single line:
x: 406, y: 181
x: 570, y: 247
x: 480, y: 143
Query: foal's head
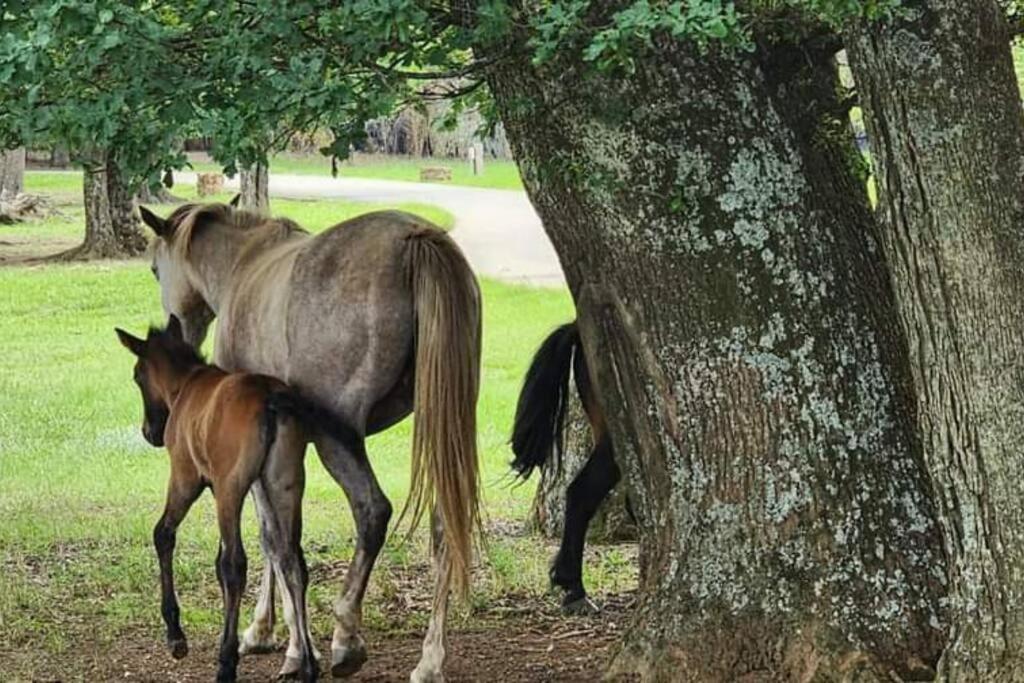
x: 163, y: 359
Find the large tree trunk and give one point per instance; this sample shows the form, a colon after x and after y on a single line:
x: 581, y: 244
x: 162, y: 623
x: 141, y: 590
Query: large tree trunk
x: 742, y: 330
x: 12, y: 173
x: 253, y: 184
x: 943, y: 115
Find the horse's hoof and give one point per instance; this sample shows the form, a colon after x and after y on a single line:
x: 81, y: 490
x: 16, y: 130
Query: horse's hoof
x: 425, y: 676
x: 348, y: 659
x: 225, y: 675
x: 293, y: 670
x: 178, y: 647
x: 581, y: 607
x: 253, y: 644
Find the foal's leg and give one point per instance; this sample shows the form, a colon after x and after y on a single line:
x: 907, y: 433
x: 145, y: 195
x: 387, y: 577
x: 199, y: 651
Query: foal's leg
x: 371, y: 510
x: 259, y: 637
x: 231, y: 567
x: 183, y: 489
x: 431, y: 665
x: 592, y: 485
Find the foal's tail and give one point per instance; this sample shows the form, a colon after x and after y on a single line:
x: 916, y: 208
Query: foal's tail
x: 539, y: 427
x: 313, y: 417
x: 445, y: 471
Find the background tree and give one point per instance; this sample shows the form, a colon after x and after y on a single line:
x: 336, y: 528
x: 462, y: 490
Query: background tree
x: 96, y: 78
x: 12, y: 173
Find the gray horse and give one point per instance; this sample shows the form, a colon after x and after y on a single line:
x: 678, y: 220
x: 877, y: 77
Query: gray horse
x: 375, y: 318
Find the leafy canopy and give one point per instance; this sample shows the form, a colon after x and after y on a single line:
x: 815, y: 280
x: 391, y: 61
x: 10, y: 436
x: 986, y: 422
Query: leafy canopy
x: 136, y: 77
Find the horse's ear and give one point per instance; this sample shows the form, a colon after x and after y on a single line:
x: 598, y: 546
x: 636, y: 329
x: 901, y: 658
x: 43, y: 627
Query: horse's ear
x: 235, y: 201
x: 174, y: 329
x: 160, y: 226
x: 133, y: 344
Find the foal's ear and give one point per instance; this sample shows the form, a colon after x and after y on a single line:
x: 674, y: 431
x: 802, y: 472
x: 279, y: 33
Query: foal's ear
x: 133, y: 344
x: 174, y: 329
x: 236, y: 200
x: 157, y: 224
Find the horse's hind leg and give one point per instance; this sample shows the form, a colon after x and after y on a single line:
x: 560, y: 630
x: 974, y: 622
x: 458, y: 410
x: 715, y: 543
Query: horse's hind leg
x: 231, y: 567
x: 183, y: 489
x: 430, y: 668
x: 371, y: 509
x: 259, y: 637
x: 591, y: 486
x: 280, y: 491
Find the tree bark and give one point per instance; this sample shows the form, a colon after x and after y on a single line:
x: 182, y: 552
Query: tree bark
x: 12, y: 173
x: 100, y: 240
x: 112, y: 229
x: 742, y: 329
x: 943, y: 115
x: 612, y: 521
x: 124, y: 214
x: 253, y: 182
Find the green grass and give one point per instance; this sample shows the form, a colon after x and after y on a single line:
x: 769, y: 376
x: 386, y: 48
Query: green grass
x: 80, y: 490
x: 498, y: 174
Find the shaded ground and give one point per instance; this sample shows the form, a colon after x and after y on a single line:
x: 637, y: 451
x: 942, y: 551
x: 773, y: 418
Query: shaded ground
x: 517, y: 638
x: 17, y: 250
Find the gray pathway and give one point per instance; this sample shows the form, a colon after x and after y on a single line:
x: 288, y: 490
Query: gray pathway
x: 498, y: 230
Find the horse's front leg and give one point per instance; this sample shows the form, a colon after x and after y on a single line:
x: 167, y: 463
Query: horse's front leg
x: 430, y: 668
x: 182, y: 491
x: 350, y: 467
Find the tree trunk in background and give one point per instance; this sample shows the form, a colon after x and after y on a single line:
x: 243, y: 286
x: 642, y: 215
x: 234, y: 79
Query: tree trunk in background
x: 253, y: 183
x: 742, y: 331
x: 111, y: 227
x: 124, y: 215
x: 12, y: 173
x: 612, y: 521
x: 100, y: 238
x: 943, y: 115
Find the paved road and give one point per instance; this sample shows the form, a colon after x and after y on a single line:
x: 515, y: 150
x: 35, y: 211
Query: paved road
x: 498, y: 230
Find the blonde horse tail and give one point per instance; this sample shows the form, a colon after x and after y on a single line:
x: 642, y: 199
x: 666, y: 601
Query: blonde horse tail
x: 445, y: 469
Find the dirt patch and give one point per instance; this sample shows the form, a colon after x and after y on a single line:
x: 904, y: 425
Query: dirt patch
x: 18, y: 250
x: 535, y: 644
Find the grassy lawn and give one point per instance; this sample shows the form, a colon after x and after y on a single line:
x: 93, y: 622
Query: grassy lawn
x: 80, y: 490
x: 498, y: 174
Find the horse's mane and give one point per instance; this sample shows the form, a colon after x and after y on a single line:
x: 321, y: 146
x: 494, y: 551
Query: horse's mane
x: 189, y: 219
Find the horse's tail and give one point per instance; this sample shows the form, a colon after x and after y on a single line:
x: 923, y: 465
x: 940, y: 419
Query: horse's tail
x: 445, y: 471
x: 539, y: 427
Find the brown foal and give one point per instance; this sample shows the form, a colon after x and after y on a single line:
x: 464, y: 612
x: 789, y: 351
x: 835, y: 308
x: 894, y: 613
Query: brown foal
x: 230, y: 432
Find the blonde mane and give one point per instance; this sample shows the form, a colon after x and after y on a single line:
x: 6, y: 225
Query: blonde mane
x: 188, y: 220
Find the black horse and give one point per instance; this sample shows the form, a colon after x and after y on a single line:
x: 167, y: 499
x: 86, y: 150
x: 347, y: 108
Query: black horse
x: 538, y: 433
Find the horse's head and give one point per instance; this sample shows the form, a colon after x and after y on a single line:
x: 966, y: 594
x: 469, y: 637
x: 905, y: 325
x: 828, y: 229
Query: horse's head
x: 163, y: 358
x: 180, y: 290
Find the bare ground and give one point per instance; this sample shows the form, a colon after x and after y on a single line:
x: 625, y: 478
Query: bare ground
x: 532, y: 642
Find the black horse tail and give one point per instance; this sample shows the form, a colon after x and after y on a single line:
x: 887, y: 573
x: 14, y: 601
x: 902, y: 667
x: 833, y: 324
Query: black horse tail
x: 310, y: 415
x: 539, y: 428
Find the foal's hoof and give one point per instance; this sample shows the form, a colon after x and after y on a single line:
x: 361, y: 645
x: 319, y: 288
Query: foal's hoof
x: 178, y: 647
x: 581, y: 607
x: 348, y: 659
